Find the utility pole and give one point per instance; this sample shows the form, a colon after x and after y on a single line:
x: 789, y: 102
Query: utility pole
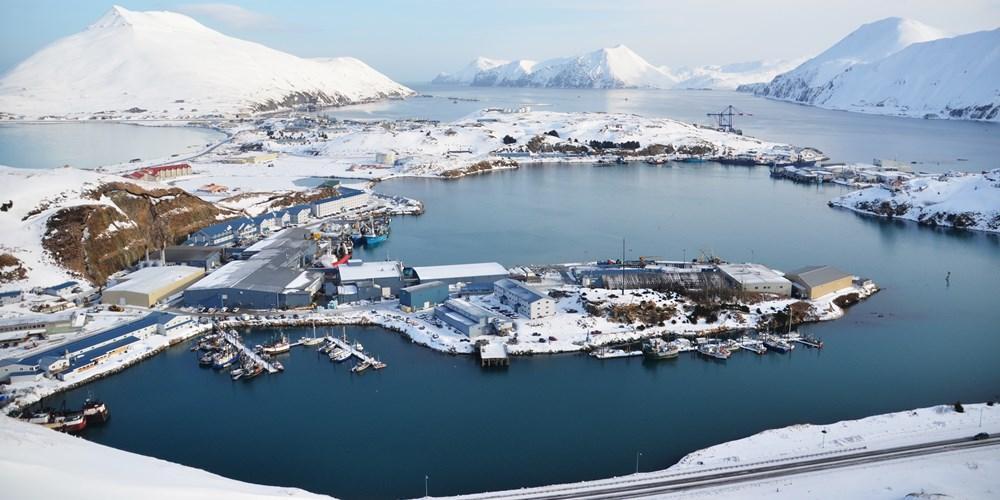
x: 426, y: 477
x: 637, y: 455
x: 623, y: 267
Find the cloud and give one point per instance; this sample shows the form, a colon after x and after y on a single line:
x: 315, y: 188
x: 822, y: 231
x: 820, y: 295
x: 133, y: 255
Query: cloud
x: 230, y: 15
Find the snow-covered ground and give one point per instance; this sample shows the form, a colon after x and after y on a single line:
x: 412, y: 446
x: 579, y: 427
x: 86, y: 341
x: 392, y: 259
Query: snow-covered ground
x: 147, y: 65
x: 957, y: 199
x: 422, y: 148
x: 39, y: 463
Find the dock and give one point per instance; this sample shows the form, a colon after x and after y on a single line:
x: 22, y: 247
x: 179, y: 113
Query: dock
x: 234, y: 341
x: 364, y: 357
x: 492, y: 354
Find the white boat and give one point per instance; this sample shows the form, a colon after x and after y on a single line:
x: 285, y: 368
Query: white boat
x: 360, y: 367
x: 605, y: 353
x: 358, y: 347
x: 339, y: 355
x: 714, y: 351
x: 280, y: 346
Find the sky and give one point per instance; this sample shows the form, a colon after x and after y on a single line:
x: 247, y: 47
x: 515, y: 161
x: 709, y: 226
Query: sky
x: 411, y: 41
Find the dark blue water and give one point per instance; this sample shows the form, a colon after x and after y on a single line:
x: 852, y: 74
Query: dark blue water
x: 565, y: 418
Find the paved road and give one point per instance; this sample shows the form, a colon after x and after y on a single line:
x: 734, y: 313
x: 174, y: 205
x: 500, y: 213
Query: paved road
x: 646, y: 485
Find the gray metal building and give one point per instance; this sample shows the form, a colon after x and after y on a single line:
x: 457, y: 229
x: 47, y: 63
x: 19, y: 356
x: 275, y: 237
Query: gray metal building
x: 471, y: 319
x: 424, y: 295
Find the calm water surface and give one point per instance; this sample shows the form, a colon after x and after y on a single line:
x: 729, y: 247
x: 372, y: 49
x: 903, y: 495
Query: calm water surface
x: 90, y: 145
x: 570, y: 417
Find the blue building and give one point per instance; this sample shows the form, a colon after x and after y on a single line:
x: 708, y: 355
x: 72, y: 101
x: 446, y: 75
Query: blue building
x: 424, y: 295
x: 207, y: 258
x: 231, y: 232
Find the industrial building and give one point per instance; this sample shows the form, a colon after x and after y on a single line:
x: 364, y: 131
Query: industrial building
x: 524, y: 300
x: 471, y: 319
x: 207, y: 258
x: 755, y: 278
x: 11, y: 297
x: 226, y: 233
x: 161, y: 173
x: 275, y: 276
x: 359, y: 280
x: 62, y: 290
x: 816, y: 281
x: 150, y: 285
x: 249, y: 159
x: 478, y: 276
x: 88, y: 352
x: 423, y: 296
x: 345, y: 200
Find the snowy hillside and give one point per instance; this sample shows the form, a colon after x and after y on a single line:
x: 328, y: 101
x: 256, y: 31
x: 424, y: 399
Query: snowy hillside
x: 39, y: 463
x: 163, y: 64
x: 899, y: 67
x: 961, y: 200
x: 731, y: 76
x: 949, y: 78
x: 871, y: 42
x: 608, y: 68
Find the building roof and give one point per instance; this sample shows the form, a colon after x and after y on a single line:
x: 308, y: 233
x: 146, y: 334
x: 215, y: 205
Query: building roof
x: 818, y: 275
x: 752, y: 274
x: 190, y: 252
x: 479, y: 269
x: 493, y: 350
x: 343, y: 192
x: 100, y: 337
x: 149, y: 279
x: 521, y: 291
x: 273, y: 269
x: 89, y: 356
x: 370, y: 270
x: 430, y: 285
x: 61, y: 286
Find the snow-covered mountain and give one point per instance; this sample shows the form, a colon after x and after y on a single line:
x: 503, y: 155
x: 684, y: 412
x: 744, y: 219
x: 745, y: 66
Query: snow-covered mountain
x: 608, y: 68
x: 166, y: 65
x: 731, y: 76
x: 949, y: 78
x: 468, y: 74
x: 899, y: 67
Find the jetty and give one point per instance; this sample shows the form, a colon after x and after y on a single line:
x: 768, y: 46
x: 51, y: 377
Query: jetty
x: 361, y: 355
x: 233, y: 339
x: 493, y: 354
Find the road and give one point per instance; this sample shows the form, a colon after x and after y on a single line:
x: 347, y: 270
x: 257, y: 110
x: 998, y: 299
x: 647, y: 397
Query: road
x: 666, y: 482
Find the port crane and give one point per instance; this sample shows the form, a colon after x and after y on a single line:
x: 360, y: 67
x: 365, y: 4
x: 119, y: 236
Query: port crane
x: 725, y: 119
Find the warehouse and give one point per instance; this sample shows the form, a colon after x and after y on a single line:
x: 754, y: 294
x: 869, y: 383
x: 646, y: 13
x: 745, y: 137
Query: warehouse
x: 471, y: 319
x: 477, y: 276
x: 523, y: 300
x: 816, y: 281
x: 423, y: 296
x: 274, y: 277
x: 755, y: 278
x: 150, y: 285
x: 345, y: 200
x: 361, y: 280
x: 207, y: 258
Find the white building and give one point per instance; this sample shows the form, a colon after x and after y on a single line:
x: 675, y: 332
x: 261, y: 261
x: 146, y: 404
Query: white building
x: 347, y: 199
x: 524, y: 300
x: 387, y: 158
x: 756, y: 278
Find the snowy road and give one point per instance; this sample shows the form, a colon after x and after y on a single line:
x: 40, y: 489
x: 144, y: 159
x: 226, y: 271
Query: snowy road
x: 665, y: 483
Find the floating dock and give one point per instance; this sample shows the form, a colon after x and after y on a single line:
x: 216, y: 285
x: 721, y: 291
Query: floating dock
x: 364, y: 357
x: 234, y: 341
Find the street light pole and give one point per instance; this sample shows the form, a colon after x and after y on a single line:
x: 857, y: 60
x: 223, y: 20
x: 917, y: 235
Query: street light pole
x: 823, y: 443
x: 637, y: 455
x: 426, y: 477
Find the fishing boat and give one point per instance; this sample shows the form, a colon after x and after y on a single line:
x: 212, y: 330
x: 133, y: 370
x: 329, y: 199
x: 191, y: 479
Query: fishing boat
x: 754, y: 346
x: 279, y: 346
x: 224, y: 359
x: 714, y: 351
x: 278, y: 366
x: 95, y: 411
x: 657, y: 348
x: 358, y: 347
x: 775, y: 343
x: 360, y: 367
x: 811, y: 341
x: 378, y: 365
x: 252, y: 372
x: 74, y: 422
x: 236, y: 373
x: 612, y: 353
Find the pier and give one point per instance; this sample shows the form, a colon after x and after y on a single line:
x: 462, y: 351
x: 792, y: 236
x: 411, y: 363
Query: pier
x: 364, y: 357
x: 493, y: 354
x: 234, y: 341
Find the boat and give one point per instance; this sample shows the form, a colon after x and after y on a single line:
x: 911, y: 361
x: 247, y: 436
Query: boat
x: 314, y: 340
x: 279, y: 346
x: 358, y: 347
x: 378, y: 365
x: 340, y: 355
x: 224, y: 359
x: 253, y: 371
x: 714, y: 351
x: 606, y: 353
x: 206, y: 360
x: 657, y: 348
x: 754, y: 346
x: 775, y: 343
x: 73, y: 422
x: 42, y: 417
x: 360, y: 367
x: 236, y: 373
x: 278, y: 366
x: 95, y: 411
